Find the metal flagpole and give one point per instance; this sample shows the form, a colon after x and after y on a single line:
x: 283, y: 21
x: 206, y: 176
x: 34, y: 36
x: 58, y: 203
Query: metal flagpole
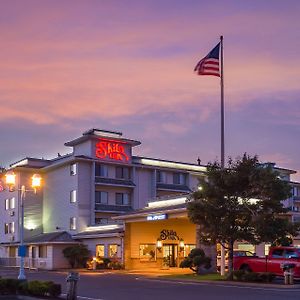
x: 222, y: 141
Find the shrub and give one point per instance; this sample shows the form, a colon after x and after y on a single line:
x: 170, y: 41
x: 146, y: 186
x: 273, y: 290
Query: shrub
x: 54, y: 290
x: 115, y: 265
x: 77, y: 255
x: 196, y: 260
x: 8, y: 286
x: 238, y: 275
x: 22, y: 288
x: 38, y: 288
x: 241, y: 275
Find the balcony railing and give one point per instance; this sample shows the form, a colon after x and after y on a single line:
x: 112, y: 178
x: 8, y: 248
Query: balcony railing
x: 114, y: 181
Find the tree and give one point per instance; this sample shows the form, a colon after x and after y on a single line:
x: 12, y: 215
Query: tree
x: 240, y: 202
x: 77, y: 255
x: 196, y: 260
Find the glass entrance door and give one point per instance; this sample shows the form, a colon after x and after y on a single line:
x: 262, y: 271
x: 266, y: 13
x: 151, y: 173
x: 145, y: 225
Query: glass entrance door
x: 170, y: 252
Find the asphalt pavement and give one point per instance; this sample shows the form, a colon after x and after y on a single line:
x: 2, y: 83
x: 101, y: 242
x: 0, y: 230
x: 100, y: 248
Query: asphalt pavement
x: 123, y: 286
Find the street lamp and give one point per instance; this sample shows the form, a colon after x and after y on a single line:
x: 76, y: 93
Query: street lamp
x: 10, y: 178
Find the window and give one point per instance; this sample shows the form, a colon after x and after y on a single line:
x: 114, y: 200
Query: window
x: 101, y: 220
x: 122, y: 199
x: 160, y: 176
x: 277, y: 253
x: 100, y: 250
x: 101, y: 197
x: 6, y: 228
x: 147, y: 252
x: 6, y: 204
x: 101, y: 170
x: 188, y: 248
x: 73, y: 223
x: 122, y: 173
x: 290, y: 253
x: 9, y: 227
x: 73, y: 196
x: 12, y: 203
x: 73, y: 169
x: 113, y: 250
x: 179, y: 178
x: 43, y: 251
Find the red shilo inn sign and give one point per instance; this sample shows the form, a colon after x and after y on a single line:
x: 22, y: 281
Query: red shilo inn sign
x: 111, y: 149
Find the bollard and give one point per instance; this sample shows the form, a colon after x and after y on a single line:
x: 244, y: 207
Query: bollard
x: 72, y: 280
x: 288, y: 273
x: 286, y: 277
x: 291, y: 277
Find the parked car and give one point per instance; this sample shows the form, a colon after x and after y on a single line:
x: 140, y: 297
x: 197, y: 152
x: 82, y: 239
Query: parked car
x: 274, y: 262
x: 236, y: 253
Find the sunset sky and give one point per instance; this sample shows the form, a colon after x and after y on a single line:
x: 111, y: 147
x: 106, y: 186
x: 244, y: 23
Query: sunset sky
x: 126, y: 65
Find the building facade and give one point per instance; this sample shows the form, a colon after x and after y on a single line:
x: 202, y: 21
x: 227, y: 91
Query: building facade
x: 107, y: 198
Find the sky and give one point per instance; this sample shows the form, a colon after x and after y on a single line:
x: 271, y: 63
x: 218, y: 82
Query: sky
x: 127, y: 65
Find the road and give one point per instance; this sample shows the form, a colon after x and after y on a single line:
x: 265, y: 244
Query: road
x: 116, y: 286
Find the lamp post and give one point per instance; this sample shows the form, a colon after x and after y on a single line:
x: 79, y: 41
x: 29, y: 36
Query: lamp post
x: 35, y: 183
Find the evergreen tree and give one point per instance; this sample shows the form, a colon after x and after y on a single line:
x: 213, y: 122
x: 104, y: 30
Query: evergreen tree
x: 242, y: 202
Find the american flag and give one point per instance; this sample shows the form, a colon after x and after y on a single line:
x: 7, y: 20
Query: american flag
x: 209, y: 65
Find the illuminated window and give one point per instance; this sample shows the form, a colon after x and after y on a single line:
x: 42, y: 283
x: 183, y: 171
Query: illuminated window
x: 43, y: 251
x: 122, y: 173
x: 101, y: 170
x: 160, y: 176
x: 188, y: 248
x: 6, y: 204
x: 73, y: 169
x: 101, y: 197
x: 12, y: 203
x: 147, y: 252
x: 122, y: 199
x: 100, y: 250
x: 113, y: 250
x: 73, y: 223
x: 179, y: 178
x: 73, y: 196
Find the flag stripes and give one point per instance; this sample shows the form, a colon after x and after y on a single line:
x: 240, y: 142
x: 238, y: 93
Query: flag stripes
x: 209, y: 65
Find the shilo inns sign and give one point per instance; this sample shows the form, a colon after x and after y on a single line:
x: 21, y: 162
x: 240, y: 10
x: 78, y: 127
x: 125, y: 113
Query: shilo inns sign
x: 166, y: 234
x: 111, y: 149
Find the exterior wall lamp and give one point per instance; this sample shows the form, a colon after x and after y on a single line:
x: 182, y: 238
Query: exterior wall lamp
x: 10, y: 178
x: 159, y: 244
x: 181, y: 244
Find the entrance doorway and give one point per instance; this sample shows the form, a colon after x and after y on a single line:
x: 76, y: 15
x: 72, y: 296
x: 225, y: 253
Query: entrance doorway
x: 170, y: 253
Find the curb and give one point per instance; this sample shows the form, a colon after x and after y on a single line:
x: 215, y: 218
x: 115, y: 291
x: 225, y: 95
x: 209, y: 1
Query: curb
x: 231, y: 283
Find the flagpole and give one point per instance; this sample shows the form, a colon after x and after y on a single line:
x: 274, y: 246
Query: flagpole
x: 222, y: 107
x: 222, y: 141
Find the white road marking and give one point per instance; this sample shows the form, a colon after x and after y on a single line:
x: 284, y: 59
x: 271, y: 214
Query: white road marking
x: 82, y: 297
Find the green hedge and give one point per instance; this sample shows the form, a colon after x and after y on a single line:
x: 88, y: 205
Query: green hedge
x: 9, y: 286
x: 241, y: 275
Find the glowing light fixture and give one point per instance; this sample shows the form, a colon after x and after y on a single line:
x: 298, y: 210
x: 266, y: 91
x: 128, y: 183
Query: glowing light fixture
x: 181, y: 244
x: 159, y: 244
x: 10, y: 179
x: 36, y: 180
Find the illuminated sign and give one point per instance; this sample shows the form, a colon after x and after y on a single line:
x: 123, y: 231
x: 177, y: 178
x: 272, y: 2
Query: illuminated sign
x: 157, y: 217
x: 166, y: 234
x: 111, y: 149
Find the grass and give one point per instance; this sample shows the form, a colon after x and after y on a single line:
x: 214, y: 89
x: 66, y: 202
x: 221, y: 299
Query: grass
x: 203, y: 277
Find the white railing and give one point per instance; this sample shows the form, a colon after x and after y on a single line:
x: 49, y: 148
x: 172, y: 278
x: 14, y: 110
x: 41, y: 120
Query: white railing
x: 29, y: 263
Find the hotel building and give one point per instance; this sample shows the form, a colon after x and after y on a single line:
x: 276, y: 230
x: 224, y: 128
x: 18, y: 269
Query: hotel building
x: 121, y: 206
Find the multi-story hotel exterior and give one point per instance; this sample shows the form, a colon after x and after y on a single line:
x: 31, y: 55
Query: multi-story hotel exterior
x: 120, y: 205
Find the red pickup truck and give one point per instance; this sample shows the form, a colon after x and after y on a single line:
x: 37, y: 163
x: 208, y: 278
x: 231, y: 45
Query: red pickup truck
x: 278, y: 256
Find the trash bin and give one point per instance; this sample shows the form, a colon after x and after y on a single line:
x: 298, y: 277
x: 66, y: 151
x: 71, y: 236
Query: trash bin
x: 288, y: 273
x: 72, y: 280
